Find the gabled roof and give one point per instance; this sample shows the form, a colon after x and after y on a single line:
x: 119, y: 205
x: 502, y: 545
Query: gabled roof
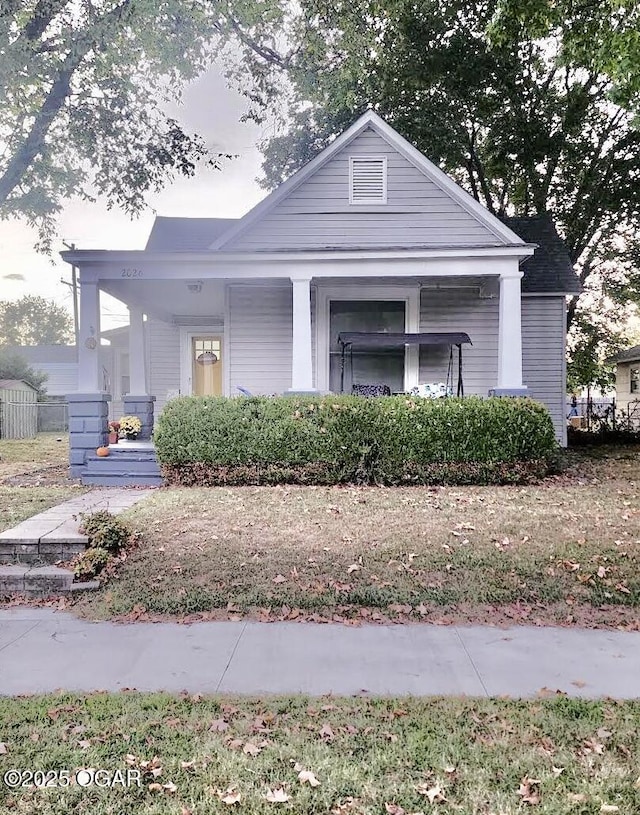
x: 550, y: 268
x: 15, y: 384
x: 186, y: 234
x: 370, y: 119
x: 629, y: 355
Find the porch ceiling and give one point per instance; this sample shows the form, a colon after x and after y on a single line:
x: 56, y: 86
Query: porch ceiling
x: 171, y: 299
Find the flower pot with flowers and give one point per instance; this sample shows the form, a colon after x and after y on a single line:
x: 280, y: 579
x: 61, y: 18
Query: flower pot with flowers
x: 130, y: 427
x: 114, y: 432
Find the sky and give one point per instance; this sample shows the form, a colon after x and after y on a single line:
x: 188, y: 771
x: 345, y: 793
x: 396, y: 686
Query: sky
x: 210, y: 109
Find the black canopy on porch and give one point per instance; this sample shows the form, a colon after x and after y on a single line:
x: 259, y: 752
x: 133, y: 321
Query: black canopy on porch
x: 378, y: 339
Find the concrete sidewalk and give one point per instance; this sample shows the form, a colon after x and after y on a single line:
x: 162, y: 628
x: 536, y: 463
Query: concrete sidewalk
x: 43, y: 650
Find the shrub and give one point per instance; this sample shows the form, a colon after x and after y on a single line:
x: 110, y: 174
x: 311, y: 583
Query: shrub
x: 91, y: 563
x: 340, y: 439
x: 105, y: 531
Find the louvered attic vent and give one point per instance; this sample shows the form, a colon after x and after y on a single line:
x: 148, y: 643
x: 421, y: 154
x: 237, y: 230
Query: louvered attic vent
x: 367, y: 180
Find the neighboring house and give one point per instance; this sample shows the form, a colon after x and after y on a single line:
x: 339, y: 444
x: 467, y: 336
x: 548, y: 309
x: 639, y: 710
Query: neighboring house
x: 370, y: 236
x: 628, y: 381
x: 60, y: 364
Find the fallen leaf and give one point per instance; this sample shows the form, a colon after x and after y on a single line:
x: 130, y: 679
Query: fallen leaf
x: 528, y: 792
x: 185, y: 811
x: 577, y: 797
x: 434, y: 794
x: 307, y: 777
x: 169, y: 786
x: 84, y: 743
x: 326, y: 732
x: 557, y: 771
x: 609, y: 808
x: 155, y: 787
x: 229, y: 796
x: 219, y: 726
x: 280, y: 578
x: 394, y: 809
x: 251, y: 749
x: 355, y: 567
x: 276, y: 796
x: 3, y: 748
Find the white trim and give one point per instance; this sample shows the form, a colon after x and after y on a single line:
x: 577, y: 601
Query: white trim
x: 410, y: 294
x: 372, y: 120
x: 187, y: 333
x: 367, y: 202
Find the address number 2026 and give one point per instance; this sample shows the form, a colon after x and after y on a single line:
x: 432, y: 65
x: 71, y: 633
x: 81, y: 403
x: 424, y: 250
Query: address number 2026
x: 131, y: 273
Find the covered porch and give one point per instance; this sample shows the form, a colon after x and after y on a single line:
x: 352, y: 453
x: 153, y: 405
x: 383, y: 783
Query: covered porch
x: 270, y: 325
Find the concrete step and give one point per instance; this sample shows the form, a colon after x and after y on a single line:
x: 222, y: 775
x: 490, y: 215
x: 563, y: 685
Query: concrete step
x: 40, y: 552
x: 124, y: 479
x: 43, y: 581
x: 107, y: 467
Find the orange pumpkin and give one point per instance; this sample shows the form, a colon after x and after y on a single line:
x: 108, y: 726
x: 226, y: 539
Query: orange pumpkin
x: 102, y: 451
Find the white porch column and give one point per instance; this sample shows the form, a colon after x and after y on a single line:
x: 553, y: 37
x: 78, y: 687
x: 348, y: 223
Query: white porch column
x: 510, y: 336
x: 89, y: 367
x: 137, y: 353
x: 301, y: 361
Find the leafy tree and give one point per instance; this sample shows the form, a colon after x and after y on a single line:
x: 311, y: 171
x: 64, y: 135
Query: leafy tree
x: 13, y: 366
x: 519, y: 120
x: 33, y: 320
x: 82, y: 87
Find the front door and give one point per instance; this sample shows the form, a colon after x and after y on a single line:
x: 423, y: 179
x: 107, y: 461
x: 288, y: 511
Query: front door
x: 206, y: 361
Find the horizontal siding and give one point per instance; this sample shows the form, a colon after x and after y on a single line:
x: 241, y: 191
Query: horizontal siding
x: 543, y: 355
x: 164, y: 360
x: 461, y: 310
x: 62, y: 377
x: 317, y: 214
x: 260, y: 338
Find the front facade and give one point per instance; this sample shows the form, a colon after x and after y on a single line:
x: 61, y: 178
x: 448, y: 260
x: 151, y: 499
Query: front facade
x: 369, y: 237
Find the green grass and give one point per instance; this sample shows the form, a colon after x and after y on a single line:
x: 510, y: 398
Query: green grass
x: 19, y: 503
x: 566, y: 547
x: 369, y: 756
x: 21, y: 456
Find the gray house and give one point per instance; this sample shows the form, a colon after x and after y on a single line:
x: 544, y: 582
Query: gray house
x: 370, y: 237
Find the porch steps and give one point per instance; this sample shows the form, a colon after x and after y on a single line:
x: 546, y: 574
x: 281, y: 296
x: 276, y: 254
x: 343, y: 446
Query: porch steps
x: 123, y: 468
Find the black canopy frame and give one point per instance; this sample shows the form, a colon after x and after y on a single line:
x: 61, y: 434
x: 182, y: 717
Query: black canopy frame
x: 379, y: 339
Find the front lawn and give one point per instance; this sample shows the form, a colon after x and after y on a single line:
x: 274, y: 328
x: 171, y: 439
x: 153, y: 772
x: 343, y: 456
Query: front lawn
x: 353, y: 756
x: 23, y: 456
x: 567, y: 550
x: 19, y: 503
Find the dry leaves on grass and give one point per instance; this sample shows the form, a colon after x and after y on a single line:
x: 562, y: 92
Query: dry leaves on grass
x: 307, y: 777
x: 229, y: 796
x: 277, y: 795
x: 529, y: 790
x: 434, y: 794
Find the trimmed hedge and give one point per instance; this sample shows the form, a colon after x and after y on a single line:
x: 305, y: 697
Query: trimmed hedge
x: 353, y: 439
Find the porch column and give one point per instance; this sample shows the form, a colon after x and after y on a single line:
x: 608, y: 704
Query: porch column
x: 138, y: 402
x: 137, y: 352
x: 89, y: 368
x: 510, y: 337
x: 302, y: 360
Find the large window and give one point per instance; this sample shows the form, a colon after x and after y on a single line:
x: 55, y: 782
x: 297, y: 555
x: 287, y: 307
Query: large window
x: 634, y: 380
x: 378, y: 367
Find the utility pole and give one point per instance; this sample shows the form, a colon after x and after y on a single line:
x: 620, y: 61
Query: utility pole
x: 74, y: 289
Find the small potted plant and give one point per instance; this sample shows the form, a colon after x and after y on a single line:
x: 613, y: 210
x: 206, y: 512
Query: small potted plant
x: 114, y: 432
x: 130, y: 426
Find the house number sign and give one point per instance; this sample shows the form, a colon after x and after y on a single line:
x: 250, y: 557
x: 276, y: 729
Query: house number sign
x: 131, y: 273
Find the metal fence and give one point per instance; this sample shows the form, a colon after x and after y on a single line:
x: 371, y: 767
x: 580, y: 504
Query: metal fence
x: 22, y: 420
x: 603, y: 413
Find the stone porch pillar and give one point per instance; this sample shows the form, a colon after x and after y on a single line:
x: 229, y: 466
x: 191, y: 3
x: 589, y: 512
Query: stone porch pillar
x: 510, y: 337
x: 302, y: 359
x: 138, y: 402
